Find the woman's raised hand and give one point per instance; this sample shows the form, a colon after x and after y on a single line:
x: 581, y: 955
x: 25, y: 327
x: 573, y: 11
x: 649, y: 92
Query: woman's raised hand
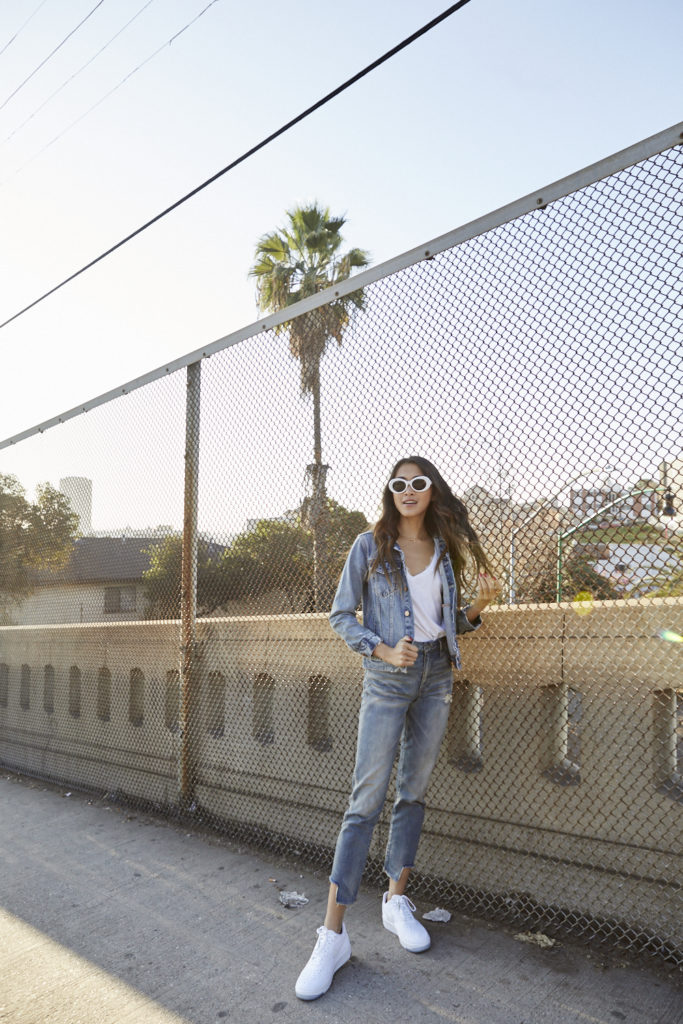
x: 488, y: 589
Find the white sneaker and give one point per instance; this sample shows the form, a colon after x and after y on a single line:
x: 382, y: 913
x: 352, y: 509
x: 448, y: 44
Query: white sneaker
x: 397, y: 917
x: 331, y: 952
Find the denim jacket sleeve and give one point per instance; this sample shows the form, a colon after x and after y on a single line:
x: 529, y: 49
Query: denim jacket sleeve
x: 463, y: 624
x: 349, y: 596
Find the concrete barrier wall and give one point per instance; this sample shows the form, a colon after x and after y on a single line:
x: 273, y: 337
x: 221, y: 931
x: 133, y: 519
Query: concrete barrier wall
x: 558, y: 783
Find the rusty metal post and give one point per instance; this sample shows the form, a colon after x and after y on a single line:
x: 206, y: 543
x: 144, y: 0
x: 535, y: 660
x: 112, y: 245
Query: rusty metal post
x: 318, y: 520
x: 188, y: 591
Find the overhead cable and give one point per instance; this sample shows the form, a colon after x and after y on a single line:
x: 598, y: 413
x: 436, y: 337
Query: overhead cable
x: 75, y: 75
x: 245, y: 156
x: 50, y: 55
x: 22, y: 27
x: 111, y: 91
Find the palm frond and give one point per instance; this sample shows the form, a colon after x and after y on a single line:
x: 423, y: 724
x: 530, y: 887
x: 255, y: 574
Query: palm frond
x: 299, y: 260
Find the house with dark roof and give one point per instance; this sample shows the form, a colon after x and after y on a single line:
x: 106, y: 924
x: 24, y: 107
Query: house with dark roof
x: 102, y: 582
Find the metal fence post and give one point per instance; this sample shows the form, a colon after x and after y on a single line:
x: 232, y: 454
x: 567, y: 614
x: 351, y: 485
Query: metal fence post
x: 583, y: 694
x: 188, y: 591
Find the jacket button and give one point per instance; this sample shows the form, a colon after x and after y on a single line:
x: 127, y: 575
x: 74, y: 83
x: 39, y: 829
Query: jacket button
x: 406, y: 612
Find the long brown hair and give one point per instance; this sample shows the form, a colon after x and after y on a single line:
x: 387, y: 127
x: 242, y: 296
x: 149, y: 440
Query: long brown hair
x: 446, y: 517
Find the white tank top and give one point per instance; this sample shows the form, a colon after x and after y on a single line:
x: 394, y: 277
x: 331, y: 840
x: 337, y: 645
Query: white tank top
x: 427, y: 601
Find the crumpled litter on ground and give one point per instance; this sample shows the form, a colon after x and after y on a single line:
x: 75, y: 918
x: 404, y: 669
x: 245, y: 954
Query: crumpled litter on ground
x: 292, y: 899
x: 537, y: 939
x: 438, y: 914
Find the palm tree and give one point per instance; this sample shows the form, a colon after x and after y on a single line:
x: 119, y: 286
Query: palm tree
x: 292, y: 263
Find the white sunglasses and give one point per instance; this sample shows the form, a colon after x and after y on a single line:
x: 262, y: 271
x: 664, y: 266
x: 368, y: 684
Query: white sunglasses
x: 419, y: 483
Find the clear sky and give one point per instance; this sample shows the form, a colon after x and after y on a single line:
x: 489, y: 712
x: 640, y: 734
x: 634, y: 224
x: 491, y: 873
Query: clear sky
x: 499, y: 100
x: 496, y: 102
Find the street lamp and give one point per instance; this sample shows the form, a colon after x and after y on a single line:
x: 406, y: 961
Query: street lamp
x: 561, y: 537
x: 544, y: 505
x: 668, y: 509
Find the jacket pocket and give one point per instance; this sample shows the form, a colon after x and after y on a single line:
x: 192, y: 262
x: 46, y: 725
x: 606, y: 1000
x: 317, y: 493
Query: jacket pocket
x: 383, y: 583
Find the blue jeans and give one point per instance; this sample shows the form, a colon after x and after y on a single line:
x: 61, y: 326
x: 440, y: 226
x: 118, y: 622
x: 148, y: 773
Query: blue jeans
x: 410, y: 708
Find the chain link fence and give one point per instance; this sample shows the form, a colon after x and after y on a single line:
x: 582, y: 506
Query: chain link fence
x: 163, y: 603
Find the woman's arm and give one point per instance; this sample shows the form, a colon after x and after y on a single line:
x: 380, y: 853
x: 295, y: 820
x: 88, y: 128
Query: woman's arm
x: 349, y: 596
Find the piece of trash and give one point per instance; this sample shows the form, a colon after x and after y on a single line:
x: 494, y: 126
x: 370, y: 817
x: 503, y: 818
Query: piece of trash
x: 292, y: 899
x: 536, y: 939
x: 438, y: 914
x: 272, y: 879
x: 67, y: 794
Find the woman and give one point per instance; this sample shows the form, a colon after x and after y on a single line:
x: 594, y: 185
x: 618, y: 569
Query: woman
x: 406, y: 573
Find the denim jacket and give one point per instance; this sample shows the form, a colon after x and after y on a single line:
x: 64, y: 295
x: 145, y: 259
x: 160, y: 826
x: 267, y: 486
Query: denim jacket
x: 386, y: 604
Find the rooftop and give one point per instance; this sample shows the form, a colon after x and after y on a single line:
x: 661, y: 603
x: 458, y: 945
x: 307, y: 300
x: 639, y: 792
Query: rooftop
x: 95, y: 559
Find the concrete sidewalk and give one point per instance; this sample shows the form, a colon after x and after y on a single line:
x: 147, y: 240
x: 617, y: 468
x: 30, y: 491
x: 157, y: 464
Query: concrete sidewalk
x: 109, y: 916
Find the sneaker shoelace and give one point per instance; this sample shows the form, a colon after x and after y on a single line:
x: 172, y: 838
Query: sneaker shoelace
x: 325, y: 938
x: 406, y: 907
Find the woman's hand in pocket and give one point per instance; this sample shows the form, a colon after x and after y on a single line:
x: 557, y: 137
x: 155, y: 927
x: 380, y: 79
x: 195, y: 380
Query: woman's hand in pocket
x: 403, y: 655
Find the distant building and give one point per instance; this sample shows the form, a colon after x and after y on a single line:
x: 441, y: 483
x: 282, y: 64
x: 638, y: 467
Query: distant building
x: 634, y: 508
x: 535, y: 527
x: 102, y: 582
x: 78, y: 489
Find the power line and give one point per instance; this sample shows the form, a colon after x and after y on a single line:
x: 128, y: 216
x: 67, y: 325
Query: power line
x: 71, y: 78
x: 46, y: 59
x: 111, y: 92
x: 249, y: 153
x: 21, y: 29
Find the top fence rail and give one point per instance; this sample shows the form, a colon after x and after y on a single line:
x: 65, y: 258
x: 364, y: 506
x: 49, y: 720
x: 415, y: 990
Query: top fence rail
x: 162, y: 627
x: 538, y: 200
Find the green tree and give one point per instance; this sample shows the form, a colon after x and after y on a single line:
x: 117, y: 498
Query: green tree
x: 670, y: 581
x: 162, y: 579
x: 33, y: 536
x: 578, y: 576
x: 344, y: 526
x: 672, y: 588
x: 279, y: 555
x: 292, y: 263
x: 273, y: 555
